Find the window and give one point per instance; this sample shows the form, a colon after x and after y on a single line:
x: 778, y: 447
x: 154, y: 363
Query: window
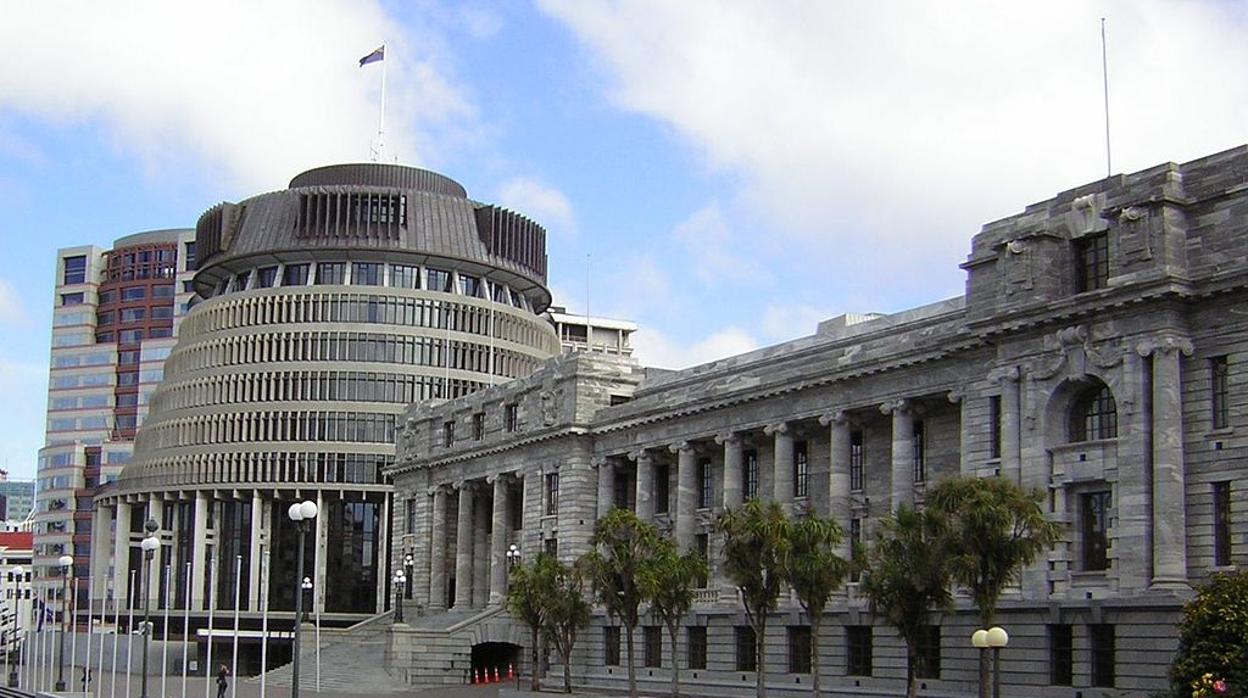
x: 129, y: 336
x: 75, y: 298
x: 158, y: 332
x: 405, y: 276
x: 920, y: 452
x: 1094, y: 526
x: 1222, y: 524
x: 746, y: 656
x: 439, y: 280
x: 662, y: 488
x: 190, y: 256
x: 1091, y: 262
x: 240, y: 281
x: 928, y: 664
x: 1101, y: 639
x: 858, y: 650
x: 128, y: 357
x: 331, y: 273
x: 478, y: 426
x: 412, y: 513
x: 366, y: 274
x: 801, y: 470
x: 1061, y: 655
x: 509, y: 417
x: 105, y: 318
x: 1094, y: 415
x: 448, y: 434
x: 133, y: 293
x: 133, y: 314
x: 855, y: 460
x: 855, y: 540
x: 695, y: 646
x: 266, y: 277
x: 1218, y: 377
x: 994, y: 426
x: 652, y: 646
x: 295, y: 275
x: 702, y: 544
x: 552, y: 494
x: 550, y: 546
x: 162, y: 312
x: 611, y: 645
x: 750, y: 464
x: 705, y: 483
x: 75, y: 270
x: 799, y: 649
x: 469, y: 285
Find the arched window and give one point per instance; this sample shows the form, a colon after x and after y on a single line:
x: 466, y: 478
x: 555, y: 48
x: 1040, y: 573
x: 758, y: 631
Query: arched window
x: 1094, y: 415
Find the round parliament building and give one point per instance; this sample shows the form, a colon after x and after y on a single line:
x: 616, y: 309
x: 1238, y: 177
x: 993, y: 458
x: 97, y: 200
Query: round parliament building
x: 319, y: 313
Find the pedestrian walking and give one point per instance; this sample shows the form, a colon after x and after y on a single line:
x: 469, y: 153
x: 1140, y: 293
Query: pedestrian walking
x: 222, y: 682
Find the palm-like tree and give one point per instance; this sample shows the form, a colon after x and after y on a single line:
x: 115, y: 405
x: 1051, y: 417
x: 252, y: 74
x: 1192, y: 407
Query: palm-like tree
x: 815, y: 571
x: 756, y: 545
x: 907, y: 575
x: 567, y: 614
x: 528, y: 601
x: 669, y: 586
x: 624, y: 547
x: 994, y: 529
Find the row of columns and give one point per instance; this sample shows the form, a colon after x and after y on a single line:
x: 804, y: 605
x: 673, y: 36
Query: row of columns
x: 480, y: 561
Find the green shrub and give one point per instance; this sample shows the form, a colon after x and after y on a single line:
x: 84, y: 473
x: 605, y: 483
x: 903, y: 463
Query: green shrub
x: 1213, y: 638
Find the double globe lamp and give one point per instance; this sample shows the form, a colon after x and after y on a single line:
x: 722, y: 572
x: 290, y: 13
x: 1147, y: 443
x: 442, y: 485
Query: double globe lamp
x: 993, y: 638
x: 302, y: 513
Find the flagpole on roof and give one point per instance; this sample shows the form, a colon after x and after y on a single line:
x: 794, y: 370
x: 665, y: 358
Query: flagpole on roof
x: 381, y: 116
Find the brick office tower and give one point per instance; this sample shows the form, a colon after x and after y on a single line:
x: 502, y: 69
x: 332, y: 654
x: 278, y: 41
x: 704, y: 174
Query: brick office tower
x: 114, y: 317
x: 321, y: 311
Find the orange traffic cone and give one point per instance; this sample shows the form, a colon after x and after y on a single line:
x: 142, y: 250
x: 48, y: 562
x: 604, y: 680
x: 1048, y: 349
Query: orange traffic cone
x: 511, y: 674
x: 496, y: 679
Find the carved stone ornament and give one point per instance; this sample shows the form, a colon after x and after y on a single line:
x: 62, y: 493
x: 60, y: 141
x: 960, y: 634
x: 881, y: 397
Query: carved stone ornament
x: 1076, y: 352
x: 898, y: 405
x: 550, y: 406
x: 835, y: 417
x: 1164, y: 344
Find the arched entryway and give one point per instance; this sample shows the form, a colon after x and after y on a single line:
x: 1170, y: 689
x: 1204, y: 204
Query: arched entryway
x: 495, y: 659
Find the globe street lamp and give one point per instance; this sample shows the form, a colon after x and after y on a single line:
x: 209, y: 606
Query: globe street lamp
x: 979, y: 640
x: 302, y: 513
x: 306, y: 586
x: 66, y: 563
x: 997, y: 638
x: 408, y: 563
x: 400, y: 580
x: 17, y: 615
x: 513, y: 556
x: 149, y: 545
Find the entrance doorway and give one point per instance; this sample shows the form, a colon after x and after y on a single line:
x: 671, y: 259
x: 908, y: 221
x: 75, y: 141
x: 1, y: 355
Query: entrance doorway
x: 495, y: 659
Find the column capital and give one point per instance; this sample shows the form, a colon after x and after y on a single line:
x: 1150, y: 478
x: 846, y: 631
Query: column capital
x: 901, y: 405
x: 597, y: 462
x: 1004, y: 373
x: 469, y: 485
x: 639, y: 455
x: 777, y: 428
x: 956, y: 395
x: 728, y: 438
x: 837, y: 417
x: 1164, y: 344
x: 504, y: 476
x: 679, y: 446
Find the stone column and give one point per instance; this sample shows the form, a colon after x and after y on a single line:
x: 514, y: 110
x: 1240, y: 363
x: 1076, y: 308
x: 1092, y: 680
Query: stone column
x: 686, y: 500
x: 480, y: 551
x: 437, y: 550
x: 498, y: 539
x: 957, y: 396
x: 121, y: 554
x: 838, y: 474
x: 606, y: 485
x: 645, y: 485
x: 733, y: 465
x: 1169, y: 507
x: 902, y: 477
x: 257, y: 548
x: 199, y: 551
x: 782, y: 466
x: 463, y: 548
x: 1011, y: 424
x: 102, y: 518
x: 318, y: 571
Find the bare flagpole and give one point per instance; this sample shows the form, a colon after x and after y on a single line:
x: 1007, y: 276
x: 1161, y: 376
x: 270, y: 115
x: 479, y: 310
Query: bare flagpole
x: 186, y: 627
x: 130, y: 628
x: 164, y: 659
x: 381, y: 116
x: 238, y: 588
x: 264, y: 621
x: 1109, y: 170
x: 86, y: 681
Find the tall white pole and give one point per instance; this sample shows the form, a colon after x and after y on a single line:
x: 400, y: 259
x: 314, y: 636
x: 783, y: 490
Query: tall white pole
x: 164, y: 655
x: 1109, y: 169
x: 86, y: 676
x: 99, y: 664
x: 186, y: 628
x: 264, y: 621
x: 112, y: 691
x: 73, y: 636
x: 381, y: 116
x: 133, y: 601
x: 212, y: 596
x: 238, y: 588
x: 318, y: 642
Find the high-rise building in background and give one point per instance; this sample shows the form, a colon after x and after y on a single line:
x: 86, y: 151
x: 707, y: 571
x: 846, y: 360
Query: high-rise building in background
x: 114, y: 318
x: 595, y: 334
x: 18, y: 497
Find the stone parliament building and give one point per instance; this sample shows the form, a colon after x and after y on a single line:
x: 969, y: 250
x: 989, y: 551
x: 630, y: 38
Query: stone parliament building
x: 1098, y: 354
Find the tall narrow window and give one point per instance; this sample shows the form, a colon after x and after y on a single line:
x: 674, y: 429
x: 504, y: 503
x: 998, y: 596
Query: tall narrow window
x: 920, y: 452
x: 552, y: 494
x: 994, y: 426
x: 1091, y: 262
x: 858, y: 652
x: 801, y: 470
x: 478, y: 426
x: 295, y: 275
x: 366, y: 274
x: 1101, y: 639
x: 929, y: 653
x: 855, y: 540
x: 1094, y: 523
x: 799, y: 649
x: 1094, y: 415
x: 662, y: 488
x: 448, y: 434
x: 1222, y: 523
x: 331, y: 273
x: 705, y: 483
x: 1061, y: 655
x: 746, y: 658
x: 652, y: 646
x: 75, y: 270
x: 749, y: 462
x: 412, y: 513
x: 696, y: 646
x: 509, y: 417
x: 855, y: 460
x: 1218, y: 378
x: 611, y: 645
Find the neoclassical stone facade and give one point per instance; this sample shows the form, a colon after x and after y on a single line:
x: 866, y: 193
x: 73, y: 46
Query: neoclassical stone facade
x: 1098, y: 355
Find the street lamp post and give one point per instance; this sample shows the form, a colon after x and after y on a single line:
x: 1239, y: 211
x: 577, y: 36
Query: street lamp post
x: 997, y: 638
x: 400, y: 580
x: 17, y: 615
x: 408, y: 563
x: 513, y: 559
x: 979, y: 640
x: 150, y: 545
x: 302, y: 513
x: 67, y: 564
x: 306, y: 586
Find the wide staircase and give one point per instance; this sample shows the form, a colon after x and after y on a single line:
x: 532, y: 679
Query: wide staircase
x: 354, y: 660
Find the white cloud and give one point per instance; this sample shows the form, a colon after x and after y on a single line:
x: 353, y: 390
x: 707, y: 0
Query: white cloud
x: 882, y: 135
x: 544, y: 204
x: 232, y: 85
x: 654, y: 348
x: 711, y: 244
x: 12, y: 310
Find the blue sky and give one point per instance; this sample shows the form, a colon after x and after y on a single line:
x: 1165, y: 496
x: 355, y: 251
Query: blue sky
x: 735, y: 171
